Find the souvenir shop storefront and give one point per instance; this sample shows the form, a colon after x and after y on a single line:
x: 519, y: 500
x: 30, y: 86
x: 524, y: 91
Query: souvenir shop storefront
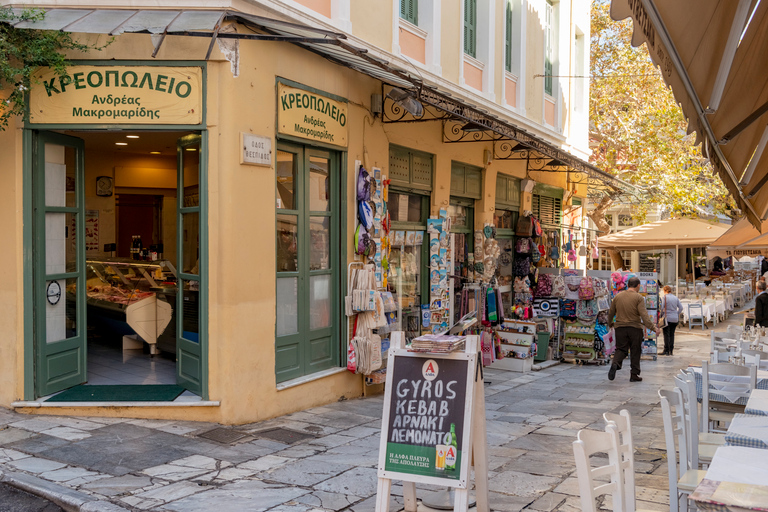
x: 254, y: 233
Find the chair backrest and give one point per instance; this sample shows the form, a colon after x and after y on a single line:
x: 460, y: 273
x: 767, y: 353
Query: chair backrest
x: 674, y: 427
x: 721, y: 356
x: 623, y: 423
x: 695, y: 309
x: 720, y: 341
x: 588, y: 443
x: 725, y: 383
x: 686, y: 383
x: 752, y: 357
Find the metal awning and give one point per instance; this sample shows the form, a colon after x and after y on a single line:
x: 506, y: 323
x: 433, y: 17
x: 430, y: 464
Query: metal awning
x: 330, y: 45
x: 712, y: 54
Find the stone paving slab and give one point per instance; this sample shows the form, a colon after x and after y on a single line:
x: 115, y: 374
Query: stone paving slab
x: 532, y: 420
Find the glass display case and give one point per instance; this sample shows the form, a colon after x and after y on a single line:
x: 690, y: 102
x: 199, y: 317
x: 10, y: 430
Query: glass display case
x: 127, y: 296
x: 405, y: 284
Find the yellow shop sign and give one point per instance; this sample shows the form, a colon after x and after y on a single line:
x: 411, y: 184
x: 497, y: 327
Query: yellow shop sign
x: 311, y: 116
x: 118, y: 95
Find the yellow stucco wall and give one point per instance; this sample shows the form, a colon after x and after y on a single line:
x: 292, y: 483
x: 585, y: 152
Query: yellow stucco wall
x: 241, y: 223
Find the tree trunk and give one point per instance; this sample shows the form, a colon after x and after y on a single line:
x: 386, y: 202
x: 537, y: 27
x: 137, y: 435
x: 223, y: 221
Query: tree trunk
x: 598, y: 215
x: 616, y: 259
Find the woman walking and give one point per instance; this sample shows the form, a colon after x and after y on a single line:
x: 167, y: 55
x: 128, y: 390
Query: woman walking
x: 671, y: 309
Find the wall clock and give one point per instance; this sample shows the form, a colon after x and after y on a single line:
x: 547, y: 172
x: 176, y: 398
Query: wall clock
x: 104, y: 186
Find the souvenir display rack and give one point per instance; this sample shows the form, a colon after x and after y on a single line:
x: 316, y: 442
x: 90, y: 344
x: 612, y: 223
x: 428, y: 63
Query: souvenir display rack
x: 579, y: 343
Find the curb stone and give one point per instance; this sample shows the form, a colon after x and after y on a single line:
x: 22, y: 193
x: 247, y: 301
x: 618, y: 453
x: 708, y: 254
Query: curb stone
x: 68, y: 499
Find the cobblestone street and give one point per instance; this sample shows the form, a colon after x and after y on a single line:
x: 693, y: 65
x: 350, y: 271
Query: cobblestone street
x: 164, y: 465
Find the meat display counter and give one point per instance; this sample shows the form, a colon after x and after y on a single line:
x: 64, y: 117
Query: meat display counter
x: 120, y: 297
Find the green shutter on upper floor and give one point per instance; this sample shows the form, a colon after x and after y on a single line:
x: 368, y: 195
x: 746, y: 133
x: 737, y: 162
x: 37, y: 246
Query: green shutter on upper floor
x: 470, y: 27
x: 508, y: 38
x: 409, y: 11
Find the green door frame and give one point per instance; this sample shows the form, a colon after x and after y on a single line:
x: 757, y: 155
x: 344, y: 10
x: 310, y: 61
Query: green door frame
x: 65, y: 357
x: 187, y: 350
x: 304, y: 335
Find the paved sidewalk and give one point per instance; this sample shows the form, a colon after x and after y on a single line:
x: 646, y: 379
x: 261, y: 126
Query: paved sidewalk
x: 532, y: 421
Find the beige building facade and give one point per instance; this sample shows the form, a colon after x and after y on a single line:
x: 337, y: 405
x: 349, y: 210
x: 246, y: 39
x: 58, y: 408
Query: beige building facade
x: 199, y: 191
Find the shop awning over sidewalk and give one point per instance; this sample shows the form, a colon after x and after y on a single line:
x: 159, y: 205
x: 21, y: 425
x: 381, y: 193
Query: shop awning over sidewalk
x: 216, y: 24
x: 712, y: 54
x: 665, y: 234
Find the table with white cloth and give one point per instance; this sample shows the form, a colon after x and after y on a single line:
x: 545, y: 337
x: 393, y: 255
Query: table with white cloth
x: 762, y: 383
x: 708, y: 309
x: 747, y: 430
x: 737, y: 480
x: 757, y: 403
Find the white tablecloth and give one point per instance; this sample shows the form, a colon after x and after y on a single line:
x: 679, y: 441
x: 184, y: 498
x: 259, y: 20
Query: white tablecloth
x: 740, y: 465
x: 747, y: 430
x: 708, y: 309
x: 758, y: 402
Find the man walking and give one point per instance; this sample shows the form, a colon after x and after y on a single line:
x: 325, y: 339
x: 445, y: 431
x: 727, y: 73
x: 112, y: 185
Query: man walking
x: 628, y: 308
x: 761, y: 305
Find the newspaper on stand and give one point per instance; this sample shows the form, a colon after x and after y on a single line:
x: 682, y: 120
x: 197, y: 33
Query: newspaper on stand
x: 437, y: 343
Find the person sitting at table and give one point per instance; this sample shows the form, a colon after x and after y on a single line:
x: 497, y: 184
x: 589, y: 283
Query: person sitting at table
x: 697, y: 271
x: 761, y: 305
x: 671, y: 309
x: 717, y: 267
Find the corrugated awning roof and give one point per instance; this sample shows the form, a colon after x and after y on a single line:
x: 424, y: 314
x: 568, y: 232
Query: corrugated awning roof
x: 330, y: 45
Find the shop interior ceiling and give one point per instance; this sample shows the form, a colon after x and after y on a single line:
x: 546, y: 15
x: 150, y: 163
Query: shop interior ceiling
x: 474, y: 123
x: 152, y: 143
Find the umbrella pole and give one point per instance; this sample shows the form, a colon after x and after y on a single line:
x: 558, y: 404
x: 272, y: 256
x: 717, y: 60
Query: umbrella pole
x: 677, y: 269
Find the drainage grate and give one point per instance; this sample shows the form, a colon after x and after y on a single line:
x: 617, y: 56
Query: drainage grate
x: 223, y: 435
x: 283, y: 435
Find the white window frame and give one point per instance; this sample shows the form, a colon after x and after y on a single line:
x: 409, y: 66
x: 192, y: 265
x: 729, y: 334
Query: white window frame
x: 429, y: 28
x: 486, y: 47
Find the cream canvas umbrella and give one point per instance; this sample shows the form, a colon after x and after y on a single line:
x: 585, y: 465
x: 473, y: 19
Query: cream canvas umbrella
x: 743, y: 239
x: 712, y: 54
x: 666, y: 234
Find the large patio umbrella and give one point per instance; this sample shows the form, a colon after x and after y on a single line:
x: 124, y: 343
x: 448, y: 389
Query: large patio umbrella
x: 666, y: 234
x: 712, y: 54
x: 743, y: 239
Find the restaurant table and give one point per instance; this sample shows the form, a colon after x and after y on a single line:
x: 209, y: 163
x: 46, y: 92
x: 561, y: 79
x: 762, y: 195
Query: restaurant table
x: 708, y: 309
x: 749, y: 431
x: 737, y: 480
x: 762, y: 383
x: 757, y: 403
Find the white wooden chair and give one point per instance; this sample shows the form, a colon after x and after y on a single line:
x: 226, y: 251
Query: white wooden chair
x: 591, y: 479
x: 623, y: 424
x: 695, y: 315
x: 735, y: 331
x: 726, y: 380
x: 722, y: 341
x: 682, y: 479
x: 699, y: 453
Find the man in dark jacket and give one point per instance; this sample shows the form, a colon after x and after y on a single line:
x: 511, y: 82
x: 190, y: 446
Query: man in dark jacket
x: 761, y: 305
x: 628, y: 307
x: 764, y: 266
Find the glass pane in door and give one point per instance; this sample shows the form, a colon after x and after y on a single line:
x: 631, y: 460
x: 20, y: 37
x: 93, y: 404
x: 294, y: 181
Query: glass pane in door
x: 191, y: 243
x: 319, y: 301
x: 60, y: 175
x: 286, y: 180
x: 320, y: 243
x: 190, y: 318
x: 319, y: 184
x: 287, y: 243
x: 287, y: 305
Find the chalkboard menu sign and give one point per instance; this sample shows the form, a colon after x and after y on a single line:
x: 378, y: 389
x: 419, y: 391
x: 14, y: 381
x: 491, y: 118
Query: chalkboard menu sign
x: 647, y: 264
x: 427, y: 416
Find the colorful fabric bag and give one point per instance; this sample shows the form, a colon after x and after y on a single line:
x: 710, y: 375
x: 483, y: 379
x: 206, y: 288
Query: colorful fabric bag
x: 522, y: 285
x: 586, y: 310
x: 544, y: 286
x: 524, y: 226
x: 586, y: 290
x: 558, y: 287
x: 536, y: 226
x: 522, y: 266
x: 523, y: 245
x: 568, y: 307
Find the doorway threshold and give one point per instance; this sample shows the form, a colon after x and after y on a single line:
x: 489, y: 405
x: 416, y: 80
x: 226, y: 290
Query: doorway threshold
x: 185, y: 399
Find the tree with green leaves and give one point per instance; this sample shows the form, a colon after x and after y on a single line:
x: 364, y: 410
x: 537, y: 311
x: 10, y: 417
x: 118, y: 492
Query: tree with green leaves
x: 22, y: 52
x: 637, y: 130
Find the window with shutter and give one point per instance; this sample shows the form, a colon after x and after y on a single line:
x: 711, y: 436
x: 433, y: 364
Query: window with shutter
x: 466, y: 181
x: 547, y: 209
x: 508, y: 39
x: 410, y: 169
x: 409, y: 11
x: 548, y: 46
x: 470, y: 27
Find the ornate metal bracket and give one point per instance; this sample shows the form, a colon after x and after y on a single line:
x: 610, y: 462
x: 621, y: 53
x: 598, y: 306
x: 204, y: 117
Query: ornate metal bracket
x: 462, y: 131
x: 393, y: 112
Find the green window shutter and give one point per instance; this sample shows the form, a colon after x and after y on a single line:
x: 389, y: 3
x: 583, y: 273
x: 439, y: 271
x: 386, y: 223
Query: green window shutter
x: 548, y: 46
x: 470, y: 27
x: 409, y: 11
x: 410, y: 169
x: 508, y: 39
x: 466, y: 181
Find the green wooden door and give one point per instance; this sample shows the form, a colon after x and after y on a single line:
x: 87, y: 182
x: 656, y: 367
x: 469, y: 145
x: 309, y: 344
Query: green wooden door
x: 59, y: 262
x: 307, y: 261
x: 191, y: 265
